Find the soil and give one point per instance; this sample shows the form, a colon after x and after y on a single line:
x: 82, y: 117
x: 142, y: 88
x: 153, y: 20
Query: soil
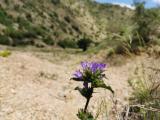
x: 37, y: 86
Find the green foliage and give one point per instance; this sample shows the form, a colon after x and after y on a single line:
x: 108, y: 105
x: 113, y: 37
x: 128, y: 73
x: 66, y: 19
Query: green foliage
x: 32, y: 29
x: 101, y: 84
x: 4, y: 40
x: 7, y: 2
x: 5, y: 53
x: 82, y: 115
x: 38, y: 31
x: 84, y: 43
x: 16, y: 34
x: 48, y: 40
x: 141, y: 87
x: 19, y: 36
x: 85, y: 92
x: 146, y: 92
x: 66, y: 43
x: 23, y: 23
x: 27, y: 32
x: 4, y: 18
x: 55, y: 1
x: 146, y: 21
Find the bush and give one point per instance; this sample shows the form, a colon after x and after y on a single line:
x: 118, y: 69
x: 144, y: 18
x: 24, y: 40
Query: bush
x: 38, y: 31
x: 55, y: 1
x: 84, y: 43
x: 48, y: 40
x: 4, y: 40
x: 20, y: 34
x: 67, y: 43
x: 18, y: 37
x: 23, y: 23
x: 4, y: 18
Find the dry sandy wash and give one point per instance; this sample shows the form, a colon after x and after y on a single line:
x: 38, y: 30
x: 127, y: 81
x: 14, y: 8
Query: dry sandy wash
x: 33, y: 87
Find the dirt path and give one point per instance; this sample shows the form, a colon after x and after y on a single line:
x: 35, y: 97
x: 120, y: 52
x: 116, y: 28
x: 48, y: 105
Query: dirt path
x: 32, y: 88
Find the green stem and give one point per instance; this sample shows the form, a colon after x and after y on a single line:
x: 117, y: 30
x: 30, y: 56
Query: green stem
x: 88, y: 99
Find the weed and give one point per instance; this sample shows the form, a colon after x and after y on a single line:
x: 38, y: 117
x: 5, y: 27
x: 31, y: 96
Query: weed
x: 146, y: 94
x: 5, y: 53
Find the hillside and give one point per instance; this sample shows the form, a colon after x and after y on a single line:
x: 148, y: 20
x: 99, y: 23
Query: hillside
x: 38, y: 22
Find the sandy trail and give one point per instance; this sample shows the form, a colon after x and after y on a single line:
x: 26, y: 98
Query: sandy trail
x: 32, y: 88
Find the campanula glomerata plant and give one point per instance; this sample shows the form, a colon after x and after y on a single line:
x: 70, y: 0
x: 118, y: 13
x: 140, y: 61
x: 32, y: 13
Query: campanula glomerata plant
x: 92, y: 75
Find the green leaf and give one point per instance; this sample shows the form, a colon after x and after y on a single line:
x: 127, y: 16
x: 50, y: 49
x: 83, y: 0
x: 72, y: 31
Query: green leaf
x: 85, y: 115
x: 76, y: 79
x: 101, y: 84
x: 85, y: 92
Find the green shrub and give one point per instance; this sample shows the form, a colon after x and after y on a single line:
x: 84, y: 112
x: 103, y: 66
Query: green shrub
x: 67, y: 43
x: 55, y: 1
x: 4, y: 18
x: 48, y: 40
x: 38, y: 31
x: 7, y: 2
x: 23, y: 23
x: 18, y: 37
x: 21, y: 34
x: 32, y: 30
x: 84, y: 43
x: 4, y: 40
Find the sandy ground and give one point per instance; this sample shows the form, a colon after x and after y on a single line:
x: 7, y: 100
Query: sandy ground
x: 35, y: 88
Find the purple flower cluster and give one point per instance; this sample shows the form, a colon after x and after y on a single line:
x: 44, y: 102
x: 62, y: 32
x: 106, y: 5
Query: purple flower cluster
x: 91, y: 67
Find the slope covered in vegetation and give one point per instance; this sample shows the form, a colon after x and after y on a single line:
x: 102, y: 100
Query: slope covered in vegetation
x: 38, y: 22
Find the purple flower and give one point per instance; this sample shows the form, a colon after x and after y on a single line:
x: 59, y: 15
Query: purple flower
x: 85, y: 65
x: 93, y: 66
x: 101, y: 66
x: 89, y: 72
x: 78, y: 74
x: 97, y: 66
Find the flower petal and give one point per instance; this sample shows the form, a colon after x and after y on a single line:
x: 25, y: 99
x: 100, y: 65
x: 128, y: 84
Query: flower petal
x: 84, y: 65
x: 78, y: 74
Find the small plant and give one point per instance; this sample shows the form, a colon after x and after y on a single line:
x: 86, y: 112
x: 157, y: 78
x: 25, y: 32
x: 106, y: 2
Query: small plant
x: 82, y: 115
x: 92, y: 76
x: 5, y: 53
x: 145, y: 100
x: 84, y: 43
